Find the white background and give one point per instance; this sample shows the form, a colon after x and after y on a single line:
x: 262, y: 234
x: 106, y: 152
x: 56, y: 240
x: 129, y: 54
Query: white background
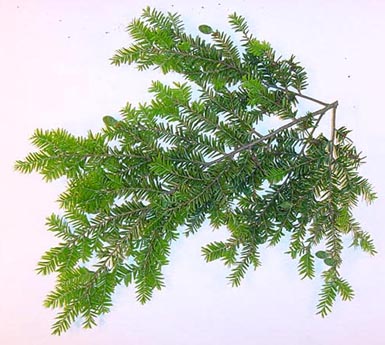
x: 55, y: 72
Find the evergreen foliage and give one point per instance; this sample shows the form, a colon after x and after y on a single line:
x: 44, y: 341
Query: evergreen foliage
x: 199, y: 151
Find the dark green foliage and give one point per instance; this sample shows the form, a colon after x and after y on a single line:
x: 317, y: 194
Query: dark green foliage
x: 199, y: 151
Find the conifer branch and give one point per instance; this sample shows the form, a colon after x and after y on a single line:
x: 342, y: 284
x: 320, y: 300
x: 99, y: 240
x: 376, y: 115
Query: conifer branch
x: 187, y: 157
x: 272, y: 134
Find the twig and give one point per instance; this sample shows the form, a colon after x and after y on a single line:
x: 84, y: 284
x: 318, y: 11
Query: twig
x: 273, y: 133
x: 333, y: 131
x: 299, y: 95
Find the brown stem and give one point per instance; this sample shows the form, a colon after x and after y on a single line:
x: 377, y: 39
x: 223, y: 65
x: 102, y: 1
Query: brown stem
x: 333, y: 131
x: 298, y: 94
